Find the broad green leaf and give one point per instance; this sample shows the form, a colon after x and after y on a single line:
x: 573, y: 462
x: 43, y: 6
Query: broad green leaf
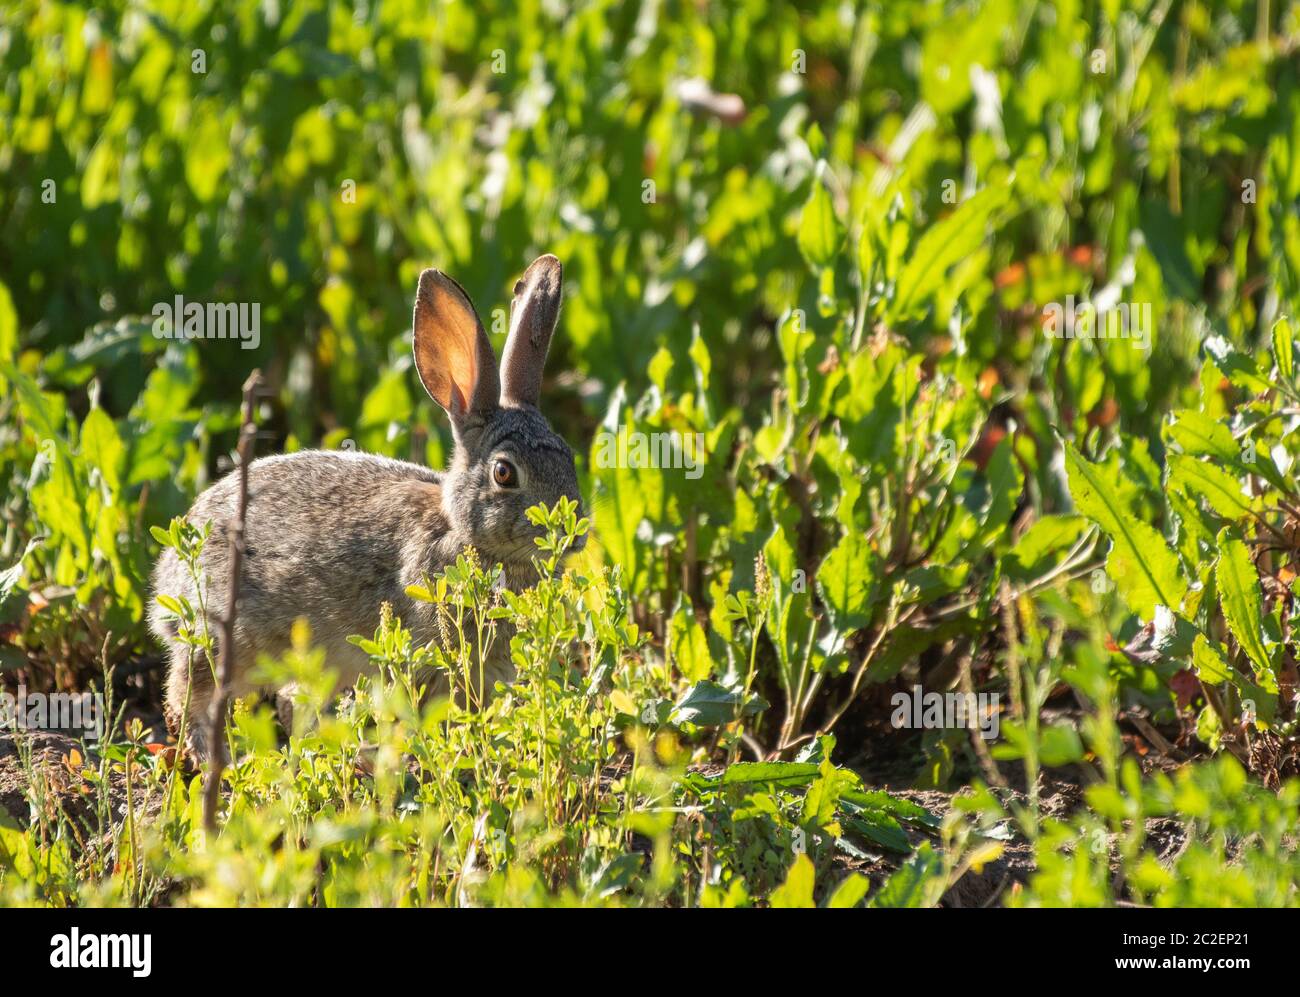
x: 823, y: 796
x: 777, y: 773
x: 102, y: 447
x: 162, y: 536
x: 661, y: 364
x: 1201, y: 435
x: 920, y: 882
x: 707, y: 704
x: 879, y: 828
x: 1239, y: 595
x: 820, y: 232
x: 1219, y: 488
x: 1209, y: 662
x: 1059, y: 744
x: 797, y: 890
x: 846, y: 580
x: 1145, y: 570
x: 1237, y: 367
x: 1043, y: 545
x: 946, y: 243
x: 850, y: 891
x: 877, y: 799
x: 170, y: 604
x: 688, y: 645
x: 1172, y: 635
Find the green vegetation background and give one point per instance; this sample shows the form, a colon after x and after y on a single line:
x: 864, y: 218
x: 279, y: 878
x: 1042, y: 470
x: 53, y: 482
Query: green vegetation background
x: 841, y: 287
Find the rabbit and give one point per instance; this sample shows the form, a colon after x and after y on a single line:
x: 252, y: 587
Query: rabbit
x: 333, y: 535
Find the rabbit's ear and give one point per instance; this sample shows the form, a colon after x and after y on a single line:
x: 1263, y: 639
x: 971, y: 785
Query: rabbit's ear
x: 452, y: 352
x: 533, y: 314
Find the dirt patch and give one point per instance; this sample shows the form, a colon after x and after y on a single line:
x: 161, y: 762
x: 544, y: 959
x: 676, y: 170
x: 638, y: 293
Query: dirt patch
x: 40, y: 778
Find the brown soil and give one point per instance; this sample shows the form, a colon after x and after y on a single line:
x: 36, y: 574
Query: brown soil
x: 59, y: 786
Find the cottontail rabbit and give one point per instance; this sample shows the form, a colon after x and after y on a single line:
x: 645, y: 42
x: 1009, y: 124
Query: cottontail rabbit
x: 331, y: 535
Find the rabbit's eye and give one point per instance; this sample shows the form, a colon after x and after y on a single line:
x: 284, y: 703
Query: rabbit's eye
x: 504, y: 474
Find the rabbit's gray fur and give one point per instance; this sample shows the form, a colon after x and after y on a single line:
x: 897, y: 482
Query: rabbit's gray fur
x: 331, y: 536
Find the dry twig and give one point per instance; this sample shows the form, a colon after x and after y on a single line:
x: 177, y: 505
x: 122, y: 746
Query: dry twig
x: 226, y: 624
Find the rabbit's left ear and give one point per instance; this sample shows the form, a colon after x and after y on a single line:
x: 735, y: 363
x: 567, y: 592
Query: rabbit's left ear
x: 452, y: 353
x: 533, y: 314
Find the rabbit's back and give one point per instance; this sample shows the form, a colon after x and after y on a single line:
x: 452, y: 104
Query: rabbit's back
x: 329, y: 537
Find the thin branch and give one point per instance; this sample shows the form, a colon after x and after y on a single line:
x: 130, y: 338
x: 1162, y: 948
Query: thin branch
x: 226, y: 625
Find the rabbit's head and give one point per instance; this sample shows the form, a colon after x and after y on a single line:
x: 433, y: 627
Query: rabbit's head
x: 507, y: 457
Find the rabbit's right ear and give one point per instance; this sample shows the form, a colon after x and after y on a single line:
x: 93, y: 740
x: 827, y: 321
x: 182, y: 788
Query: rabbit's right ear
x: 452, y: 352
x: 533, y: 314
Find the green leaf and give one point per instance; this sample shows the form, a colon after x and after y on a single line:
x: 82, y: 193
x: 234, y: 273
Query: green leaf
x: 918, y: 883
x: 946, y: 244
x: 1283, y: 352
x: 170, y: 604
x: 846, y: 580
x: 1201, y: 435
x: 688, y: 645
x: 775, y: 773
x: 816, y: 141
x: 1219, y: 488
x: 878, y: 799
x: 707, y: 704
x: 661, y: 364
x: 880, y: 828
x: 1166, y: 240
x: 797, y: 890
x: 850, y: 892
x: 1043, y: 545
x: 698, y: 351
x: 1145, y: 570
x: 1239, y: 595
x: 820, y: 232
x: 1209, y: 662
x: 1237, y: 367
x: 1002, y: 486
x: 1172, y: 635
x: 1059, y: 745
x: 103, y: 448
x: 823, y: 796
x: 207, y: 152
x: 8, y: 332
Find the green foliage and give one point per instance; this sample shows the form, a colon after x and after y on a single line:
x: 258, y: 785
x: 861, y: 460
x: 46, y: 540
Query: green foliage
x: 399, y: 799
x: 845, y: 295
x: 1238, y: 851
